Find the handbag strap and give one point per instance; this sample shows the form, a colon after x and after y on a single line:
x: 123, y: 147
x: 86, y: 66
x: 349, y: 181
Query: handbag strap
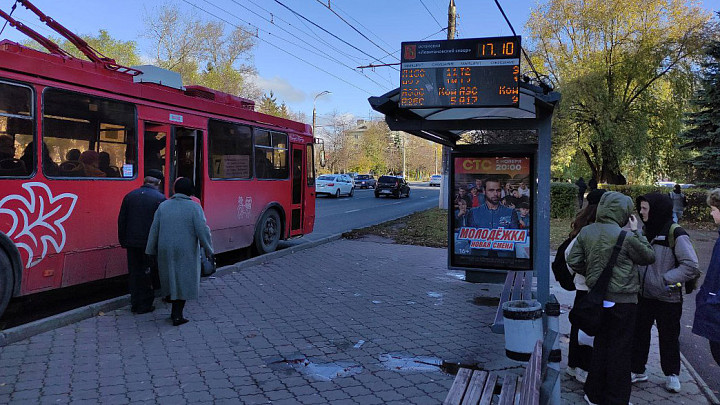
x: 601, y: 285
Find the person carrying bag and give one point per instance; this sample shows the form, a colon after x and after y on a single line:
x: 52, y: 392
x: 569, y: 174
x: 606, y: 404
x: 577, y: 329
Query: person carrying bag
x: 608, y: 380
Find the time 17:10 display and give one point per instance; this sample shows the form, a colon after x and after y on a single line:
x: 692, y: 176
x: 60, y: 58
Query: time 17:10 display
x: 480, y: 72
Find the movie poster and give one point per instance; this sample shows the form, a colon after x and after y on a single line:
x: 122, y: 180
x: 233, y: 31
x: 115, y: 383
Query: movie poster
x: 491, y: 220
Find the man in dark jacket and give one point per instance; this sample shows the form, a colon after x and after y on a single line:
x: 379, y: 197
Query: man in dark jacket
x: 581, y: 191
x: 136, y: 216
x: 608, y: 380
x: 661, y: 283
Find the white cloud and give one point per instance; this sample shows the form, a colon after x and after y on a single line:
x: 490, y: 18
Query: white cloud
x: 281, y: 88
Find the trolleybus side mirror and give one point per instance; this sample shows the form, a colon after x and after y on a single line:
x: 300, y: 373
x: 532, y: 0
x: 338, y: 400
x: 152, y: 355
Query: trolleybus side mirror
x: 321, y: 142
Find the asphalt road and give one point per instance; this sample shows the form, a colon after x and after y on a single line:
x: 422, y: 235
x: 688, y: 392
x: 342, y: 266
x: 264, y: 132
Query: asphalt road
x: 337, y: 215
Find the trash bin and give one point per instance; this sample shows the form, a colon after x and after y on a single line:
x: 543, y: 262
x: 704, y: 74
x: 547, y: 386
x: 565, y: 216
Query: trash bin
x: 523, y: 328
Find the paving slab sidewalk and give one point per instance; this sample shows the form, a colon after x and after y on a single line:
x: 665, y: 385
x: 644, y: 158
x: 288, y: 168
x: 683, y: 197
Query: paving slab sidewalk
x: 353, y: 322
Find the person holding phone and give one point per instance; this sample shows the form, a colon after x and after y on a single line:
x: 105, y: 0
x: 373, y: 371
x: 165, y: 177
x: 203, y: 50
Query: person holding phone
x: 608, y: 379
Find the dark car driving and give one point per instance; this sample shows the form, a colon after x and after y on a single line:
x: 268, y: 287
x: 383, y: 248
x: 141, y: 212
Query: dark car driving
x: 392, y: 186
x: 364, y: 181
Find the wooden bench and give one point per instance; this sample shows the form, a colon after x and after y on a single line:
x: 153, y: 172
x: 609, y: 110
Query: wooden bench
x: 518, y: 286
x: 472, y: 387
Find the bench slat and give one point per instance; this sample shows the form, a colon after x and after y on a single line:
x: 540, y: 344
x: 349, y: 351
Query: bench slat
x: 507, y: 394
x: 487, y: 394
x: 475, y: 389
x: 458, y: 388
x: 498, y: 326
x: 517, y: 285
x: 527, y: 288
x: 530, y: 387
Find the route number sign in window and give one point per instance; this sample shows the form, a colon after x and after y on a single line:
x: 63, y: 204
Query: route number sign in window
x: 477, y: 72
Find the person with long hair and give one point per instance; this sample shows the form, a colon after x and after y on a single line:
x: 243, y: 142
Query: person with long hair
x: 579, y: 356
x: 178, y: 234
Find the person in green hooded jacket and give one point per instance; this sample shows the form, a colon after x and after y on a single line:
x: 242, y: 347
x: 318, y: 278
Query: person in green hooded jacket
x: 608, y: 380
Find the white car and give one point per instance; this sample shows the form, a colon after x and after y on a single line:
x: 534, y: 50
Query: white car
x: 435, y: 180
x: 334, y: 185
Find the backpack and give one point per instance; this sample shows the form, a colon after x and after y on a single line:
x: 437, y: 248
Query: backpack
x: 560, y: 270
x: 690, y: 285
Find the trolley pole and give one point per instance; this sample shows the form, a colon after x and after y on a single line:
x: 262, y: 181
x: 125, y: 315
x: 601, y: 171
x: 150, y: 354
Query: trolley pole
x: 444, y: 184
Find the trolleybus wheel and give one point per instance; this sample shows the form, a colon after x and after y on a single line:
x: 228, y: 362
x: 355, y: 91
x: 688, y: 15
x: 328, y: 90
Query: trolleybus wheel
x: 267, y: 234
x: 6, y: 281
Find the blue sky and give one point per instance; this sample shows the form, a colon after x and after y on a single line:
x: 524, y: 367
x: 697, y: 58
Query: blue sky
x: 295, y: 81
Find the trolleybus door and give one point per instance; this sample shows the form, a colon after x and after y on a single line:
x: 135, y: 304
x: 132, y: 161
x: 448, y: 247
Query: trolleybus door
x: 298, y: 189
x: 186, y: 155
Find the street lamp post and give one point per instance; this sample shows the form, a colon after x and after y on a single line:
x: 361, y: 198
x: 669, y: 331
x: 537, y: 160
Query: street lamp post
x: 322, y: 93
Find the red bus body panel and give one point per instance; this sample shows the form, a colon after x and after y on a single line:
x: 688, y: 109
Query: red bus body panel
x: 71, y: 224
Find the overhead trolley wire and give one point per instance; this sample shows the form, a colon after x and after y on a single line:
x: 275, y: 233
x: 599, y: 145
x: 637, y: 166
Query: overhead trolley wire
x: 431, y: 14
x: 335, y: 7
x: 328, y: 32
x: 532, y: 68
x: 307, y: 32
x: 355, y: 29
x: 319, y: 52
x: 279, y: 48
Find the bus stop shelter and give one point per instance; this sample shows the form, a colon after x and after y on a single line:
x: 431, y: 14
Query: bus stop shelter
x: 447, y: 125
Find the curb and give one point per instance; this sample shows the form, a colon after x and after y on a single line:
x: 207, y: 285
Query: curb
x: 27, y: 330
x: 709, y: 394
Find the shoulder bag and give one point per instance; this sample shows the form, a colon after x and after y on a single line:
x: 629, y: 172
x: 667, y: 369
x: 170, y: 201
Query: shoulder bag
x: 587, y: 314
x: 207, y: 265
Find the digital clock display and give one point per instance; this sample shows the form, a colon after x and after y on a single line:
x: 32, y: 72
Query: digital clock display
x: 478, y: 72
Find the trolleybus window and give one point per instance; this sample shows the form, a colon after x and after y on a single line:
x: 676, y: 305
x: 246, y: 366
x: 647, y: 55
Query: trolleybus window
x: 230, y: 150
x: 17, y: 153
x: 271, y: 151
x: 87, y: 136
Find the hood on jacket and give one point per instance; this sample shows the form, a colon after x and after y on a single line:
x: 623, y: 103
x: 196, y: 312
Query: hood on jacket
x: 660, y: 215
x: 614, y: 208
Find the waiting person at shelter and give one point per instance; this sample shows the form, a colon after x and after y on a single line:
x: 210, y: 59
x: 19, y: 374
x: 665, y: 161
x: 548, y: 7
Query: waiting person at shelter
x: 579, y: 356
x: 581, y: 191
x: 608, y: 380
x: 178, y: 235
x: 463, y: 195
x: 660, y: 299
x: 679, y: 202
x: 707, y: 300
x: 136, y: 216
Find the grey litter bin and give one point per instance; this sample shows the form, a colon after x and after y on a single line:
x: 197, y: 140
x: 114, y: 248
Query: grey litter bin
x: 523, y: 327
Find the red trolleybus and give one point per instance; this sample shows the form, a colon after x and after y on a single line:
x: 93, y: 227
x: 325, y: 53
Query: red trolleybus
x: 76, y: 136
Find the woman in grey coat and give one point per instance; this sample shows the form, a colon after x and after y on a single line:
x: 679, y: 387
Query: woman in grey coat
x: 178, y: 232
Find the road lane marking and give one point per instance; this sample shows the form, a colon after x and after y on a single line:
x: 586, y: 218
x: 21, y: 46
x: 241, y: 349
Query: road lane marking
x: 347, y: 212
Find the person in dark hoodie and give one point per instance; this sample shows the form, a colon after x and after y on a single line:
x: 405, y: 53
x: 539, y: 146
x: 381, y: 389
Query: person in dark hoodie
x: 660, y: 299
x: 608, y: 380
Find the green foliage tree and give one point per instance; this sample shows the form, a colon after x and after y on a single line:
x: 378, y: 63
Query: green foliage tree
x: 124, y: 52
x: 703, y: 133
x: 624, y: 69
x: 203, y: 52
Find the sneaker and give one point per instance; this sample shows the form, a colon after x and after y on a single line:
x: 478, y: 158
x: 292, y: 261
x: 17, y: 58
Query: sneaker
x: 588, y: 400
x: 581, y: 375
x: 672, y: 384
x: 570, y: 371
x: 639, y: 377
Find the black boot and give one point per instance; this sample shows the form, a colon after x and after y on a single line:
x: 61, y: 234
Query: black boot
x: 177, y: 313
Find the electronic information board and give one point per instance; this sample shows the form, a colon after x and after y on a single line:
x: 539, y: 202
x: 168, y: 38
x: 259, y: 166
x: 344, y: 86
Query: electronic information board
x: 477, y: 72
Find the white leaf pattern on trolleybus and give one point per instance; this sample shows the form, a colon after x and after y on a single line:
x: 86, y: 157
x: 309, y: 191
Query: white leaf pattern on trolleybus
x: 244, y: 206
x: 37, y: 221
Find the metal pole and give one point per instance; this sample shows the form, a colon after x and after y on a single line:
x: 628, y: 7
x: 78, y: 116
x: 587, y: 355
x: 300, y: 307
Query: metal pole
x: 445, y: 183
x: 403, y: 146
